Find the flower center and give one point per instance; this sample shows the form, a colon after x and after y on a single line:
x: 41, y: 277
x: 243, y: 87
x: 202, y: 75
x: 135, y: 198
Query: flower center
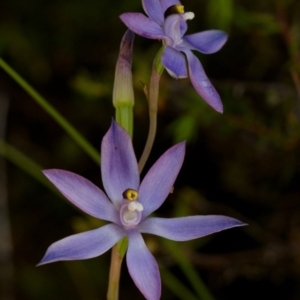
x: 179, y: 10
x: 130, y: 194
x: 175, y: 25
x: 131, y: 209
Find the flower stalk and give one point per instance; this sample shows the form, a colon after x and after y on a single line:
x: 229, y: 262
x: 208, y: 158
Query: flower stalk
x: 157, y: 70
x: 114, y: 274
x: 124, y: 117
x: 123, y: 101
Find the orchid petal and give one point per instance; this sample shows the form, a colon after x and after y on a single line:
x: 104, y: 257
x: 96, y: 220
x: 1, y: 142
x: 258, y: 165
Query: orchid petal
x: 119, y: 166
x: 174, y: 62
x: 83, y: 194
x: 159, y: 180
x: 143, y: 26
x: 153, y: 10
x: 165, y: 4
x: 187, y: 228
x: 207, y: 42
x: 201, y: 83
x: 84, y: 245
x: 143, y: 267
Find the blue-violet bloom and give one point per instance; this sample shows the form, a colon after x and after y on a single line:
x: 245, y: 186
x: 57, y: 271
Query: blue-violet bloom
x: 166, y: 21
x: 127, y: 206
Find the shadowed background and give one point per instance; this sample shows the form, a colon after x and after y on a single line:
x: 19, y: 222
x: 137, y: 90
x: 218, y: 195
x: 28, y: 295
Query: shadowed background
x: 244, y: 163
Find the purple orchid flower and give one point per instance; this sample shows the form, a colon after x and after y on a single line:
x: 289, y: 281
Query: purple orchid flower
x: 127, y: 206
x: 163, y: 24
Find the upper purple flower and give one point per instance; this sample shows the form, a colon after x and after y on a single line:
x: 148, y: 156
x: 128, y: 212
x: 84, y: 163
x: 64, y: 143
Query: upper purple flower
x: 127, y: 206
x: 167, y: 22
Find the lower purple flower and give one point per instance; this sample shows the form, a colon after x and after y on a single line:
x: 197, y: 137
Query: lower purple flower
x: 127, y: 206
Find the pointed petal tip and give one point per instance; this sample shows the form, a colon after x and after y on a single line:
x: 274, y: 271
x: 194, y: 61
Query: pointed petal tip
x: 50, y: 172
x: 39, y: 264
x: 46, y: 171
x: 212, y: 98
x: 239, y: 223
x: 116, y: 126
x: 222, y: 35
x: 225, y: 37
x: 113, y: 123
x: 183, y: 143
x: 42, y: 262
x: 180, y: 145
x: 233, y: 223
x: 219, y: 109
x: 45, y: 260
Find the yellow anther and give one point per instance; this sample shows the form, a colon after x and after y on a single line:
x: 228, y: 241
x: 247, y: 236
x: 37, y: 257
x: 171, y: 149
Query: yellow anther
x: 130, y: 194
x: 174, y: 9
x: 179, y: 9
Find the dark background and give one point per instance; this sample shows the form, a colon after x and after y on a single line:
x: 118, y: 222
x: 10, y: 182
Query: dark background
x: 243, y: 163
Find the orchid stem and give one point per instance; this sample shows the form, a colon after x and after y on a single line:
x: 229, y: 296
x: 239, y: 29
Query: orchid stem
x: 124, y: 117
x: 73, y: 133
x: 152, y: 102
x: 114, y: 274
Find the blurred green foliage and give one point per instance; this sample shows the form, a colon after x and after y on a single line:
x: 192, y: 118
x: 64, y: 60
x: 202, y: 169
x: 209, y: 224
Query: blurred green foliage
x: 244, y: 163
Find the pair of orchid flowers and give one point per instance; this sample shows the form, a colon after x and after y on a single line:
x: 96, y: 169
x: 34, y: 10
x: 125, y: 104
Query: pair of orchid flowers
x: 128, y: 203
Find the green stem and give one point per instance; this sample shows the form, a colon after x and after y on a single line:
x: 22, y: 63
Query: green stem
x: 124, y: 117
x: 152, y: 102
x: 114, y: 274
x: 76, y: 136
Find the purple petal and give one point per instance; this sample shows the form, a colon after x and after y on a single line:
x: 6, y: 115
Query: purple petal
x: 174, y: 62
x: 207, y: 42
x: 154, y: 10
x: 118, y: 166
x: 83, y: 194
x: 84, y: 245
x: 143, y: 267
x: 187, y: 228
x: 159, y: 180
x: 165, y: 4
x: 143, y: 26
x: 201, y: 83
